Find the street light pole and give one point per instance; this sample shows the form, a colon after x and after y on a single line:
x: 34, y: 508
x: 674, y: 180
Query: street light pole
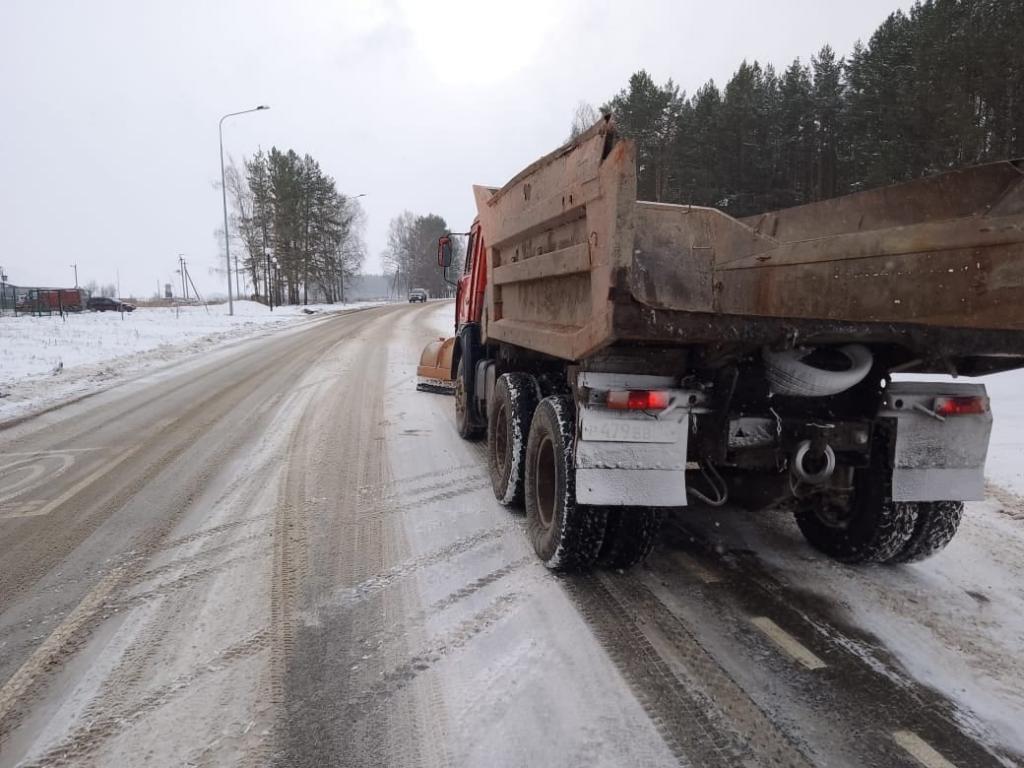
x: 224, y: 197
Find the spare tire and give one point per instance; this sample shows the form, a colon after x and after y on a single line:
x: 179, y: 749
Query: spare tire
x: 799, y: 371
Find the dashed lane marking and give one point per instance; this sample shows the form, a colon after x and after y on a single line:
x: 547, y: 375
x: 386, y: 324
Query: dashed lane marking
x: 921, y: 750
x: 787, y: 643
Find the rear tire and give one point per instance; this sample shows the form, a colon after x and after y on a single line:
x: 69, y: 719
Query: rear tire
x: 508, y: 429
x: 566, y: 537
x: 464, y: 423
x: 629, y: 536
x: 863, y: 526
x: 937, y: 524
x: 867, y: 533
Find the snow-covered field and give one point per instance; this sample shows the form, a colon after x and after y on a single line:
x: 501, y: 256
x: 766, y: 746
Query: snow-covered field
x: 44, y: 360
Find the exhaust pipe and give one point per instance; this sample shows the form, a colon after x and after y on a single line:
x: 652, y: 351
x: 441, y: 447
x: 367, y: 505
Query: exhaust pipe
x: 813, y: 466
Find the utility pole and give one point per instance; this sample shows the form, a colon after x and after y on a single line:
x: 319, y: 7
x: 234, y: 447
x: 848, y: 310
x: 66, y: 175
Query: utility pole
x: 75, y: 267
x: 181, y: 269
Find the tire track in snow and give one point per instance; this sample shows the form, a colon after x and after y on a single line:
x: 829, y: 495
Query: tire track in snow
x: 370, y: 644
x: 725, y: 705
x: 462, y: 471
x: 437, y: 491
x: 403, y: 570
x: 214, y: 530
x: 865, y: 686
x: 691, y: 725
x: 370, y: 701
x: 113, y: 719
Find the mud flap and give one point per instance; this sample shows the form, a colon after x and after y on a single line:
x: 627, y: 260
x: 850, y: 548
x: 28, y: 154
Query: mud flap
x: 936, y: 458
x: 631, y: 458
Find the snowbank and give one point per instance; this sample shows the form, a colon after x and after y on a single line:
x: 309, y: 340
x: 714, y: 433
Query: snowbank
x: 44, y: 360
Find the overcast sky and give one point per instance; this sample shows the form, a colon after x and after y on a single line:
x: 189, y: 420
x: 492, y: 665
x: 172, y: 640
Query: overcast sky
x: 109, y: 110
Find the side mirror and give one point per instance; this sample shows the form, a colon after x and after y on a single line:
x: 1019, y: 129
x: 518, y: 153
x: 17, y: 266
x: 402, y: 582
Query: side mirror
x: 444, y: 251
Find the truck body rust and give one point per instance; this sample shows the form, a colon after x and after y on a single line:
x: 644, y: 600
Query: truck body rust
x: 933, y: 267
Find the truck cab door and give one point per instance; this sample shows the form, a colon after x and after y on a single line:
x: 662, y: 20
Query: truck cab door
x: 466, y: 307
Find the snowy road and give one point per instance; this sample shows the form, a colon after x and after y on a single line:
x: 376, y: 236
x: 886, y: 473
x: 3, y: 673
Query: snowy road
x: 281, y: 554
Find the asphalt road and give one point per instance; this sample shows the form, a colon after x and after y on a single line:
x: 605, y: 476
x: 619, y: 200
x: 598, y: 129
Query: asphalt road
x: 281, y: 554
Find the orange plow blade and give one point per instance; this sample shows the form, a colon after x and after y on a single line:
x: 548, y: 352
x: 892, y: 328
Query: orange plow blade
x: 434, y: 373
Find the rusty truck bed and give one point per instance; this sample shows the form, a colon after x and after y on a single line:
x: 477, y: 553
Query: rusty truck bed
x: 933, y: 268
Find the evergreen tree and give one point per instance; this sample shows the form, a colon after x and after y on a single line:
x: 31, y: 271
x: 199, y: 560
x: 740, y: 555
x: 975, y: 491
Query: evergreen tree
x: 827, y: 100
x: 935, y: 88
x: 649, y: 114
x: 289, y: 212
x: 798, y: 133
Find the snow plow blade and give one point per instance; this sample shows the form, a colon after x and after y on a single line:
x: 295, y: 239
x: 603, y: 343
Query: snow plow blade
x: 434, y: 373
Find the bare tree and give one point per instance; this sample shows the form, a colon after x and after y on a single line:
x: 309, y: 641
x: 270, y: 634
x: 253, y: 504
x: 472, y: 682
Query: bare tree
x: 584, y: 117
x: 411, y: 255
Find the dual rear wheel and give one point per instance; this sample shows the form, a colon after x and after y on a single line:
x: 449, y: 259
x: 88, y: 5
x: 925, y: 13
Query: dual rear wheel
x: 870, y: 530
x: 531, y: 456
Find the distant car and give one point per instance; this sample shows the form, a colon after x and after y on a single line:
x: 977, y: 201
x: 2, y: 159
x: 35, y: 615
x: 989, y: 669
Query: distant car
x: 417, y: 294
x: 105, y: 304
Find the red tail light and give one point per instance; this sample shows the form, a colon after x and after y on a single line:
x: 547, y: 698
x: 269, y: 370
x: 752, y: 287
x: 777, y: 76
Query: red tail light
x: 961, y: 406
x: 638, y: 400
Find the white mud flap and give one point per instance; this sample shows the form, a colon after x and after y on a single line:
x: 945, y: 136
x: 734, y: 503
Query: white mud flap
x: 632, y: 457
x: 938, y: 458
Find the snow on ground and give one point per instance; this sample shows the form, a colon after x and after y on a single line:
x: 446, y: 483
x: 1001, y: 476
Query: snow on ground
x: 44, y: 360
x: 1004, y: 466
x: 954, y: 622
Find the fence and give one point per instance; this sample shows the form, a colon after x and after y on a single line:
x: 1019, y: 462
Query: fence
x: 21, y: 300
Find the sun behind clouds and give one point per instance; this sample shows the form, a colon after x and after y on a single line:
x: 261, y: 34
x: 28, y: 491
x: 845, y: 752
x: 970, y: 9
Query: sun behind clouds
x: 466, y: 42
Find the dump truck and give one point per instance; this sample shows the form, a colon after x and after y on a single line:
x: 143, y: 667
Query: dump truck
x: 624, y: 358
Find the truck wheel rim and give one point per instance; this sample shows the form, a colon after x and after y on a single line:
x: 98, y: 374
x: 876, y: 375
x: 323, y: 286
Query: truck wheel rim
x: 833, y: 516
x: 501, y: 439
x: 460, y: 398
x: 546, y: 485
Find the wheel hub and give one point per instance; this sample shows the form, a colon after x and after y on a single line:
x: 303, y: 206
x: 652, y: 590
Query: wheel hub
x: 501, y: 439
x: 546, y: 486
